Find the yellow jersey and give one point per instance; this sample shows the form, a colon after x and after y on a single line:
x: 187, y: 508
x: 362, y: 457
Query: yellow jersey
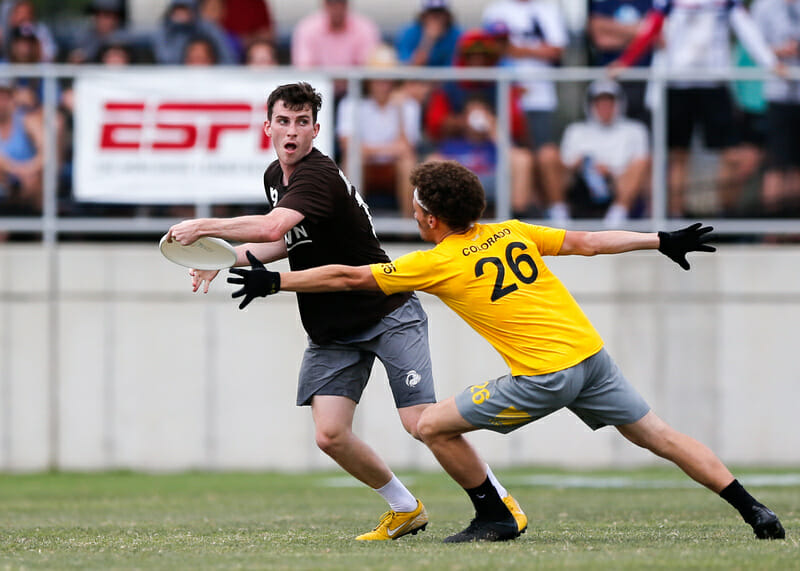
x: 494, y: 277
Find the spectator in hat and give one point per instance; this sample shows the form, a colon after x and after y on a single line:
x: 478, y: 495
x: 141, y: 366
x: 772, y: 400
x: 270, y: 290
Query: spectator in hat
x: 182, y: 23
x: 22, y: 13
x: 23, y: 45
x: 106, y: 27
x: 431, y: 39
x: 461, y: 122
x: 608, y: 156
x: 24, y: 48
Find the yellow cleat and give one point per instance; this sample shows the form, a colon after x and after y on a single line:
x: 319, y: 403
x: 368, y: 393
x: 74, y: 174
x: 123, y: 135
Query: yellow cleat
x: 397, y: 524
x: 516, y: 511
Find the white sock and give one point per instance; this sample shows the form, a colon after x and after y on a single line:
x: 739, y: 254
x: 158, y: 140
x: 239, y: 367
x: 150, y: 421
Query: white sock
x: 501, y: 491
x: 398, y: 496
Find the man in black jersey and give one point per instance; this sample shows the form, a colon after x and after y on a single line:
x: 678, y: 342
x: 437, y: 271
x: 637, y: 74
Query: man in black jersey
x: 316, y: 217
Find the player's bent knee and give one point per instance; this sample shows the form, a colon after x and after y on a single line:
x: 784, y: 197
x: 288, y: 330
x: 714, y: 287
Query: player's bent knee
x: 428, y: 427
x: 329, y: 441
x: 409, y: 416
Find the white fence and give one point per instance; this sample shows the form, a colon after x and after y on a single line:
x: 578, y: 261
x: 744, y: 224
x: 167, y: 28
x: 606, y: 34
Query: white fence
x: 107, y: 360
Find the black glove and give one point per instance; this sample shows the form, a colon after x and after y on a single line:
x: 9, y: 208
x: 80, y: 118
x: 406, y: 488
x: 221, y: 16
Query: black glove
x: 258, y: 282
x: 676, y: 244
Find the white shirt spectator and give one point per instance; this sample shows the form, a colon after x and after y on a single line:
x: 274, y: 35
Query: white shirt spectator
x: 380, y: 124
x: 531, y: 23
x: 614, y: 145
x: 697, y: 34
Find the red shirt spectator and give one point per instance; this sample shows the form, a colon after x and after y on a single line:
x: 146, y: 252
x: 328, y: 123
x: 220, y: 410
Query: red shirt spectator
x: 476, y: 48
x: 248, y: 19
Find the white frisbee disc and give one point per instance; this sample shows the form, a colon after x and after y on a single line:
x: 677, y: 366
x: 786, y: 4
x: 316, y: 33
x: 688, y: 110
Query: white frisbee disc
x: 205, y: 254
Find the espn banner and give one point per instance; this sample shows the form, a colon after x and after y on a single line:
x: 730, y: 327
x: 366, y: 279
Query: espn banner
x: 179, y: 137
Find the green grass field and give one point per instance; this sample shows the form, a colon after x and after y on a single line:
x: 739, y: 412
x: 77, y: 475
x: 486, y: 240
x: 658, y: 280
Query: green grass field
x: 652, y: 519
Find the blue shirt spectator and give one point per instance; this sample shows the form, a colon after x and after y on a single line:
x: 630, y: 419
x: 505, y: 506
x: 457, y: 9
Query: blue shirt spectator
x: 431, y: 39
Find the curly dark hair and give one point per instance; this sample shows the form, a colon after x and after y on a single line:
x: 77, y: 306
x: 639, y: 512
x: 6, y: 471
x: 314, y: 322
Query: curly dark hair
x: 295, y: 96
x: 449, y: 191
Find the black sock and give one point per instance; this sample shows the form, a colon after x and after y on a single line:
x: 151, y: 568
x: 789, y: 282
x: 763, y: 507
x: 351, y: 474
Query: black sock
x: 487, y: 502
x: 738, y: 497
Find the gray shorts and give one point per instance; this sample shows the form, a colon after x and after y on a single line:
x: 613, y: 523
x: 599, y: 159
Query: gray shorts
x: 594, y: 389
x: 399, y: 341
x: 541, y: 128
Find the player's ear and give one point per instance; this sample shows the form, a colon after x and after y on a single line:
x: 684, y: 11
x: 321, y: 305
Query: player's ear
x: 267, y: 126
x: 316, y: 130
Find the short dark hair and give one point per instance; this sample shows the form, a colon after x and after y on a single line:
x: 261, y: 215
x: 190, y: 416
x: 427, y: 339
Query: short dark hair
x: 204, y: 40
x: 295, y: 96
x: 449, y: 191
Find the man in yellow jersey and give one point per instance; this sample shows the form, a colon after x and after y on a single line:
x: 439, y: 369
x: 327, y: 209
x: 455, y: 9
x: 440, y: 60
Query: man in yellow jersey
x: 494, y: 277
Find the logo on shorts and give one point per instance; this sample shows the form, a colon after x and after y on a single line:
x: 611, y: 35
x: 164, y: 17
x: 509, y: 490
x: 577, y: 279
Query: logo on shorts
x: 413, y: 378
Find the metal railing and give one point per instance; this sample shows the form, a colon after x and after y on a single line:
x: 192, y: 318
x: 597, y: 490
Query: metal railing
x: 51, y: 225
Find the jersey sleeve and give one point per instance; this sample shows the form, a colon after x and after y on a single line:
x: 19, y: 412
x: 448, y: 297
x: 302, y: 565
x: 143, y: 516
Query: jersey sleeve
x: 412, y: 272
x: 548, y: 240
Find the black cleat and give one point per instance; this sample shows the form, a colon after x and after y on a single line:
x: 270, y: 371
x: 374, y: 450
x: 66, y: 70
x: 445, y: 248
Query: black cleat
x: 766, y: 524
x: 484, y: 530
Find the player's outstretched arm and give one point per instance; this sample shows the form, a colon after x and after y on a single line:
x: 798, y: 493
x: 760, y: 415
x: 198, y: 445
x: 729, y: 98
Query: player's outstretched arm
x: 329, y: 278
x: 606, y: 242
x: 261, y: 282
x: 265, y: 252
x: 269, y: 227
x: 675, y: 245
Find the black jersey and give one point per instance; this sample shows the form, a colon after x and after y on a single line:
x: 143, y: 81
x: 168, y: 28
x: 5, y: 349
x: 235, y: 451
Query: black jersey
x: 337, y: 229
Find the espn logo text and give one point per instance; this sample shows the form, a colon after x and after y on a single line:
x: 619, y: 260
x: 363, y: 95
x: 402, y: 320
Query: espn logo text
x: 179, y: 125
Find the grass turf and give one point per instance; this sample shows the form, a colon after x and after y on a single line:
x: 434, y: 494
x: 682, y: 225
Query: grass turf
x: 307, y: 521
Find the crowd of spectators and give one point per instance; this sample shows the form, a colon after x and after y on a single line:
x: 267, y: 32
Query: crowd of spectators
x: 590, y: 162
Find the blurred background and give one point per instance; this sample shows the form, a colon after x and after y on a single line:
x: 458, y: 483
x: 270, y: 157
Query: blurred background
x: 119, y: 118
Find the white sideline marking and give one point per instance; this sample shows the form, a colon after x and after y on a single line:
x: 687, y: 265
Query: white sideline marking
x: 599, y: 482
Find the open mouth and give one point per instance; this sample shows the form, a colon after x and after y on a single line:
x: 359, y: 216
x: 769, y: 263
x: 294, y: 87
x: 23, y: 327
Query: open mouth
x: 290, y: 146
